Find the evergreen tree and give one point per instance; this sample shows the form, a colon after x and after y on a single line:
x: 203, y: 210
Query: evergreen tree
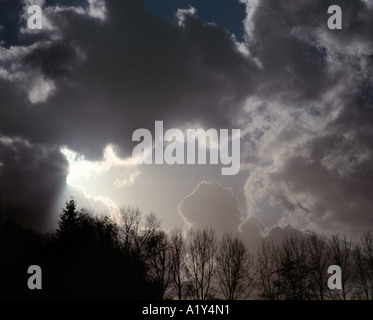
x: 68, y: 222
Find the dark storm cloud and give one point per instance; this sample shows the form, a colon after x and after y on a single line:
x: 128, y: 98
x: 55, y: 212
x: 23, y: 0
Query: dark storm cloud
x: 132, y: 69
x: 31, y: 179
x: 54, y: 60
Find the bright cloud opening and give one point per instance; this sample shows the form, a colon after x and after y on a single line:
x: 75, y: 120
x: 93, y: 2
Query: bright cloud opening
x: 82, y: 171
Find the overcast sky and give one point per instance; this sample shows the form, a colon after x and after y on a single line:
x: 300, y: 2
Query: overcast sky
x: 72, y: 94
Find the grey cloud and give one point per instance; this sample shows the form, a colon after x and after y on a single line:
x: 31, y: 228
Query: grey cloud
x: 54, y: 60
x: 310, y: 119
x: 251, y: 233
x: 211, y: 205
x: 297, y: 50
x: 277, y: 234
x: 131, y: 70
x: 333, y: 184
x: 31, y: 179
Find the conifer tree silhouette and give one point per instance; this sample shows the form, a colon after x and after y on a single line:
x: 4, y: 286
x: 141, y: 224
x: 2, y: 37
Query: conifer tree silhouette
x: 68, y: 222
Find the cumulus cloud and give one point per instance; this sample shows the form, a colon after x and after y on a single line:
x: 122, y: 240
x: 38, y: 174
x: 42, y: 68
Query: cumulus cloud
x: 309, y: 122
x: 211, y: 205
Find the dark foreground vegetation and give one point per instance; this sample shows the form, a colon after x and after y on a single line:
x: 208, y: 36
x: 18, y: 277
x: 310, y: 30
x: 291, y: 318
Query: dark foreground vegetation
x: 91, y: 257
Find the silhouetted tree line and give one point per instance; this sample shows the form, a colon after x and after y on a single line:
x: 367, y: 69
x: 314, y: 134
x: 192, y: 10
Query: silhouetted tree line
x: 83, y: 259
x: 133, y: 258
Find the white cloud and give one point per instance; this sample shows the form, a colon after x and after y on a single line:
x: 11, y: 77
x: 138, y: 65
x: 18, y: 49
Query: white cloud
x: 10, y: 141
x: 40, y: 89
x: 181, y: 14
x: 97, y: 9
x: 251, y: 6
x: 80, y: 168
x: 103, y: 202
x: 83, y: 173
x: 119, y: 183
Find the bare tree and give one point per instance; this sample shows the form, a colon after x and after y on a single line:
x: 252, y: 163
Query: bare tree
x: 144, y: 234
x: 319, y: 261
x: 362, y: 286
x: 160, y: 262
x: 137, y: 232
x: 363, y: 258
x: 130, y: 222
x: 234, y: 269
x: 340, y: 255
x: 177, y: 261
x: 267, y: 266
x: 367, y: 248
x: 294, y: 270
x: 200, y: 262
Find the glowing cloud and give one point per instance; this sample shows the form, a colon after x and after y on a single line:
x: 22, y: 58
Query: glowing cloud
x: 80, y: 168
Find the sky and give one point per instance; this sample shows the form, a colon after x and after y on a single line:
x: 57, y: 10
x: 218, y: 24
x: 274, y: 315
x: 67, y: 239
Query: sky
x: 73, y: 93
